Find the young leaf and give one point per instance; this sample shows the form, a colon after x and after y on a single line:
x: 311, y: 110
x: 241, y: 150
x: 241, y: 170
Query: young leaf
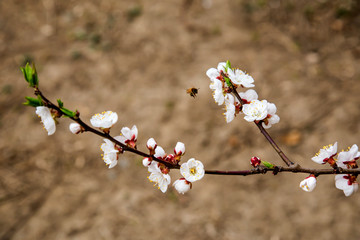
x: 60, y: 103
x: 67, y: 112
x: 30, y: 75
x: 228, y: 65
x: 267, y: 164
x: 33, y: 102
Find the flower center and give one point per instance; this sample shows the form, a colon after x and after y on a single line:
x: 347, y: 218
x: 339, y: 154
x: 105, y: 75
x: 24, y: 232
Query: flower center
x: 193, y: 171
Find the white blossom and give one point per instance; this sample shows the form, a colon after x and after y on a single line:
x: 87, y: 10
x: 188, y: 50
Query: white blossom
x: 192, y: 170
x: 156, y: 176
x: 128, y: 136
x: 151, y: 144
x: 346, y: 183
x: 110, y: 153
x: 47, y: 119
x: 218, y: 93
x: 348, y: 157
x: 179, y: 148
x: 159, y: 152
x: 272, y: 117
x: 213, y: 73
x: 230, y: 108
x: 104, y: 120
x: 308, y: 184
x: 146, y: 162
x: 248, y: 96
x: 325, y: 153
x: 238, y: 77
x: 75, y: 128
x: 182, y: 186
x: 255, y: 111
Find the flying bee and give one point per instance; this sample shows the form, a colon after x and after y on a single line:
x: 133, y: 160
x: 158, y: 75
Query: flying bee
x: 192, y: 91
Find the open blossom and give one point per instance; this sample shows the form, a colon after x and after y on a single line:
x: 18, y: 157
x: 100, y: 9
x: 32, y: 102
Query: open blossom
x: 308, y: 184
x: 271, y: 117
x: 238, y: 77
x: 179, y: 148
x: 110, y: 155
x: 255, y: 111
x: 47, y: 119
x: 248, y: 96
x: 230, y: 107
x: 160, y: 179
x: 218, y: 93
x: 182, y: 186
x: 128, y: 136
x: 325, y: 154
x: 213, y: 73
x: 104, y: 120
x: 347, y: 183
x: 192, y: 170
x: 347, y: 159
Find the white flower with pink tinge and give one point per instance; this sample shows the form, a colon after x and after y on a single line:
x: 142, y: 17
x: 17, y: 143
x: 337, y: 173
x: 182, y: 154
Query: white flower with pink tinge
x: 248, y: 96
x: 238, y: 77
x: 110, y: 155
x: 308, y: 184
x: 217, y: 86
x: 347, y: 183
x: 347, y: 159
x: 129, y: 136
x: 192, y: 170
x: 230, y: 108
x: 47, y: 119
x: 151, y: 144
x: 213, y: 73
x: 104, y: 120
x: 255, y: 111
x: 271, y: 117
x: 326, y: 153
x: 160, y: 179
x: 179, y: 149
x: 182, y: 185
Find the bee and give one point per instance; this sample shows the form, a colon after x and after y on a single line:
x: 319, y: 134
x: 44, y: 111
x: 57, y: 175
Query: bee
x: 192, y: 91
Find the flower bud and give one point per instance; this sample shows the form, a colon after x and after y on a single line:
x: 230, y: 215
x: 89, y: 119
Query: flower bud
x: 146, y: 162
x: 75, y: 128
x: 160, y: 153
x: 182, y: 186
x: 151, y: 144
x: 179, y: 149
x: 255, y: 161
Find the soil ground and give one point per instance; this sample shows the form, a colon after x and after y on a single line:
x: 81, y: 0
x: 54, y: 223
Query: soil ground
x: 138, y: 58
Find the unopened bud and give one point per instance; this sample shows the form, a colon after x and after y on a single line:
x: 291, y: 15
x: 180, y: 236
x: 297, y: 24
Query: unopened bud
x: 255, y: 161
x: 75, y: 128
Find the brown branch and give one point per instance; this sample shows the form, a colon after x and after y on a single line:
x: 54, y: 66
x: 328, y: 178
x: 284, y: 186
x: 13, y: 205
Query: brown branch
x: 266, y: 134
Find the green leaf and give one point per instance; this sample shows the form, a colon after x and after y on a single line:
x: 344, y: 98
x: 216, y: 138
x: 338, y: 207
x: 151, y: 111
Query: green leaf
x: 33, y: 102
x: 267, y: 164
x: 60, y: 103
x: 67, y: 112
x: 30, y: 75
x: 228, y: 65
x: 228, y: 82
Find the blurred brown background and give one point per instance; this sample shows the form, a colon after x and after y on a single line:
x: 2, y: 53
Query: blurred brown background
x: 137, y: 58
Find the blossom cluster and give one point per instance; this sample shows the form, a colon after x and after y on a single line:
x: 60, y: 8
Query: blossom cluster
x: 224, y: 82
x: 344, y: 159
x: 192, y: 170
